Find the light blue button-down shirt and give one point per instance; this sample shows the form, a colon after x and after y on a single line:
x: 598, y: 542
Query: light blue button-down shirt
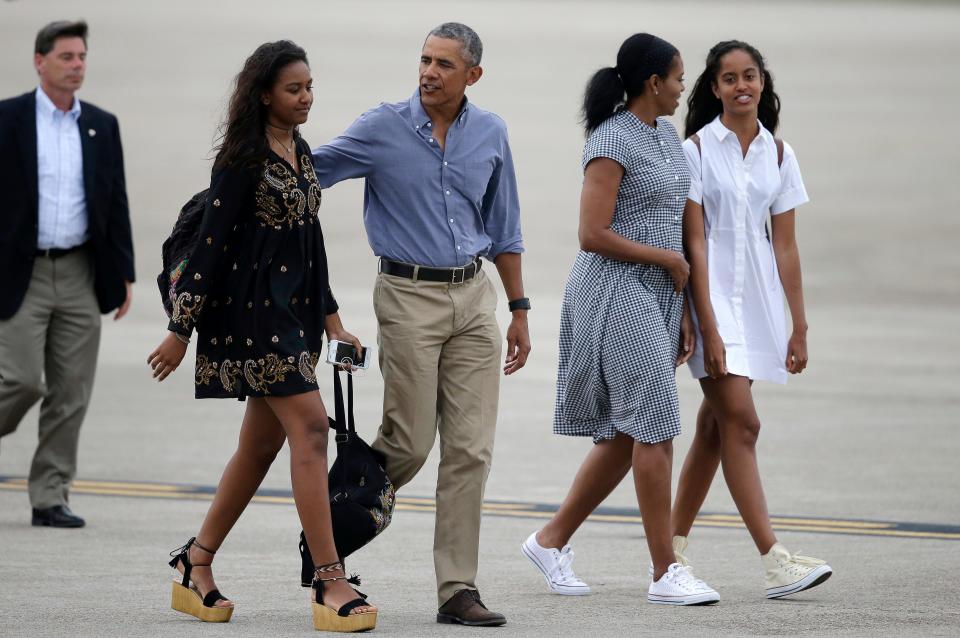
x: 423, y: 204
x: 62, y: 201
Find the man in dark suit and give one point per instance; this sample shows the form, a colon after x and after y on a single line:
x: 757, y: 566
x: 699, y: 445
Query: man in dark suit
x: 66, y: 255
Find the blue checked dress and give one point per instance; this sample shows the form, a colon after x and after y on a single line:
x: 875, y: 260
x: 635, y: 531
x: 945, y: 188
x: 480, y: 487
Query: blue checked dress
x: 620, y: 322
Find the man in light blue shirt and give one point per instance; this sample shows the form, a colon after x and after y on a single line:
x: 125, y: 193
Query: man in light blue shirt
x: 66, y: 252
x: 440, y: 194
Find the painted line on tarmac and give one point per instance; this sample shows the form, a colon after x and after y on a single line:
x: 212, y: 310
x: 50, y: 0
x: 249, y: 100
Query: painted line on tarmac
x: 855, y: 527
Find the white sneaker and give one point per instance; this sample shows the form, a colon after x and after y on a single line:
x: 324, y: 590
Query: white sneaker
x: 555, y: 565
x: 679, y: 546
x: 791, y: 573
x: 680, y: 587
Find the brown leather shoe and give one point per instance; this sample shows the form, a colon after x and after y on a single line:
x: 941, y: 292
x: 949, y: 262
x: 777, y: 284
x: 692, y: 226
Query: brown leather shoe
x: 466, y: 608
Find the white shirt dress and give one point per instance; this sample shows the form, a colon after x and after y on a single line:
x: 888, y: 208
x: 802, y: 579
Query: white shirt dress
x: 737, y: 193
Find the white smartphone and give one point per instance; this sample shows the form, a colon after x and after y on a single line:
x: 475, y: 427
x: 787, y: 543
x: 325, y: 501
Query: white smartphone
x: 340, y: 352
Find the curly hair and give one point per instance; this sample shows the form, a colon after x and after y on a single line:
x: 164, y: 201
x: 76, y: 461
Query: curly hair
x: 241, y: 140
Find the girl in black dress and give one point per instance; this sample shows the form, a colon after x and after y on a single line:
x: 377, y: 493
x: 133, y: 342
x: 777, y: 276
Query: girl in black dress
x: 256, y: 292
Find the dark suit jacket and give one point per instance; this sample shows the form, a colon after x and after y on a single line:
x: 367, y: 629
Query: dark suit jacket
x: 108, y: 215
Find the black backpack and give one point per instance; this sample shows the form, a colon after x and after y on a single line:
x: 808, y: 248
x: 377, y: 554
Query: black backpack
x: 361, y: 494
x: 178, y: 247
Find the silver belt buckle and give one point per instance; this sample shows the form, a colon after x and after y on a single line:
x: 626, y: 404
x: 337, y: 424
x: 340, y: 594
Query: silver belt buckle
x: 463, y: 275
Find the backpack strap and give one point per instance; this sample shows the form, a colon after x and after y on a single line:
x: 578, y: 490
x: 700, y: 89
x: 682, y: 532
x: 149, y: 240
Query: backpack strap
x: 779, y: 144
x: 696, y: 140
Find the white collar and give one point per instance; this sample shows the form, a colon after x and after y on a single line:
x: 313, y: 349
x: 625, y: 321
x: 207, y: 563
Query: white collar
x: 721, y: 132
x: 46, y: 106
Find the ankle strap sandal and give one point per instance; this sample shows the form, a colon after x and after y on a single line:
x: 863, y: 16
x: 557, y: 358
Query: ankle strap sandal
x: 186, y: 597
x: 325, y: 618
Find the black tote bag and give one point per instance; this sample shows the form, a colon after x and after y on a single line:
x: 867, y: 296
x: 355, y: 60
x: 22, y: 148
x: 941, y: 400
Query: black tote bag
x: 361, y: 495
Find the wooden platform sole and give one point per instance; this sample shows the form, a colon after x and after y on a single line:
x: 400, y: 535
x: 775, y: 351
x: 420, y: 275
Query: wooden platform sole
x: 325, y: 619
x: 189, y: 602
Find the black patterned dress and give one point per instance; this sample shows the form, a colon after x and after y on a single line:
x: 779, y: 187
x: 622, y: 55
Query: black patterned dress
x: 256, y: 287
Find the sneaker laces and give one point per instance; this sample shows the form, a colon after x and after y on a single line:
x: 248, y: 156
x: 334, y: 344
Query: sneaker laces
x: 806, y: 561
x: 683, y: 577
x: 564, y: 569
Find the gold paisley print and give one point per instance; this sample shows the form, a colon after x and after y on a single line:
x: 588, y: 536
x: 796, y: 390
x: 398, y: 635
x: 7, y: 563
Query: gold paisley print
x: 308, y: 365
x: 229, y: 374
x: 186, y: 309
x: 260, y: 374
x: 205, y: 370
x: 293, y: 203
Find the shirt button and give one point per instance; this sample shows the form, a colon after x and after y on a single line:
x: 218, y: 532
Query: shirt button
x: 429, y: 123
x: 451, y: 221
x: 661, y: 143
x: 668, y: 160
x: 676, y: 177
x: 444, y: 163
x: 448, y: 192
x: 417, y: 126
x: 431, y: 140
x: 676, y: 218
x: 458, y: 247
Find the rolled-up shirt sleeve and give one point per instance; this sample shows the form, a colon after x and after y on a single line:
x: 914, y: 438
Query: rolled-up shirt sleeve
x: 349, y: 155
x: 501, y: 205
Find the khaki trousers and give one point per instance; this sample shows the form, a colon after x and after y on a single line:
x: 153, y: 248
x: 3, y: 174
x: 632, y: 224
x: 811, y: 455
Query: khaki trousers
x: 48, y: 350
x: 440, y: 349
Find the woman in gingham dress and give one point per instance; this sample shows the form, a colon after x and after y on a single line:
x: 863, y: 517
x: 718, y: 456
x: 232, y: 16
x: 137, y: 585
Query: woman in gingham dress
x: 624, y: 326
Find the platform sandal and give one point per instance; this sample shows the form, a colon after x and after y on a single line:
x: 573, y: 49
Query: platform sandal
x: 326, y: 619
x: 186, y: 597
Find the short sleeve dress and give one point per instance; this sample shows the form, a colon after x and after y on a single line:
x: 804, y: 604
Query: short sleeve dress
x: 620, y: 321
x: 256, y: 288
x: 737, y: 193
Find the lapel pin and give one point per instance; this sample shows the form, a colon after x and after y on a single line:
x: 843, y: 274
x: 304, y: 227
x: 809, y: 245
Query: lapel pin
x: 91, y: 132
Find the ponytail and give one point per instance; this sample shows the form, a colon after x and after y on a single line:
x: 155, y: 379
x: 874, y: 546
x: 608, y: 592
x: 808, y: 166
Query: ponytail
x: 640, y: 56
x: 604, y: 94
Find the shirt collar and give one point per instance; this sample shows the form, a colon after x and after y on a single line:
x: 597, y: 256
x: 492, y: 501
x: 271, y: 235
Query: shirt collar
x: 46, y: 106
x: 420, y: 117
x: 722, y: 132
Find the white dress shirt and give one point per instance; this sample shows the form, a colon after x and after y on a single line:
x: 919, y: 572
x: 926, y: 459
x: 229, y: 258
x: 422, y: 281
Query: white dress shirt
x: 737, y: 193
x: 62, y: 205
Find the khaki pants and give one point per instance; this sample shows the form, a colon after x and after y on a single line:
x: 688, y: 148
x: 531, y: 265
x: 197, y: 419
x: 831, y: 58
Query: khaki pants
x: 440, y: 359
x: 48, y: 350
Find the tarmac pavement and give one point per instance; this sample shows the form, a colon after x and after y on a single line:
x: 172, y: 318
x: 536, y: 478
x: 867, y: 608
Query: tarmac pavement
x: 869, y: 432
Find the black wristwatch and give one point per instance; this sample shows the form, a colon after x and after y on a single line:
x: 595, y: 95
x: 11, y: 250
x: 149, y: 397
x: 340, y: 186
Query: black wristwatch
x: 523, y: 303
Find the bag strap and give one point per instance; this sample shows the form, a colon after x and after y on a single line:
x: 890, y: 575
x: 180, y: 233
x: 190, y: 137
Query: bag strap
x: 345, y: 423
x: 350, y: 421
x: 340, y: 421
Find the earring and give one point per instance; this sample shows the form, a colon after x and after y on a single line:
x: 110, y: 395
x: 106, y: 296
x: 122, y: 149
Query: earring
x: 656, y: 92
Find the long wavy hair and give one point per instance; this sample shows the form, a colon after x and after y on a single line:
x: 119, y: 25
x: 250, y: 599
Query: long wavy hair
x: 703, y: 106
x: 241, y: 140
x: 641, y: 56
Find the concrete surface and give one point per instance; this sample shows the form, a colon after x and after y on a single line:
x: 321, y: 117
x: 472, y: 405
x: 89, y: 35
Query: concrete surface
x: 870, y: 94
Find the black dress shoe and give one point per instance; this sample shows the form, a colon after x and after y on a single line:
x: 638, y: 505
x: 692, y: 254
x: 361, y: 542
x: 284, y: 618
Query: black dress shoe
x: 466, y: 608
x: 56, y: 516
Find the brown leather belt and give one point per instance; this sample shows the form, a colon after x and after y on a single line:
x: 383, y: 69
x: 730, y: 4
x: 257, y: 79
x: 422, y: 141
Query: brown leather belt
x: 428, y: 273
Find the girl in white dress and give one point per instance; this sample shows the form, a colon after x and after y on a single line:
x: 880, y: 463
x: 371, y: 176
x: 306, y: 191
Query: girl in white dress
x: 740, y: 271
